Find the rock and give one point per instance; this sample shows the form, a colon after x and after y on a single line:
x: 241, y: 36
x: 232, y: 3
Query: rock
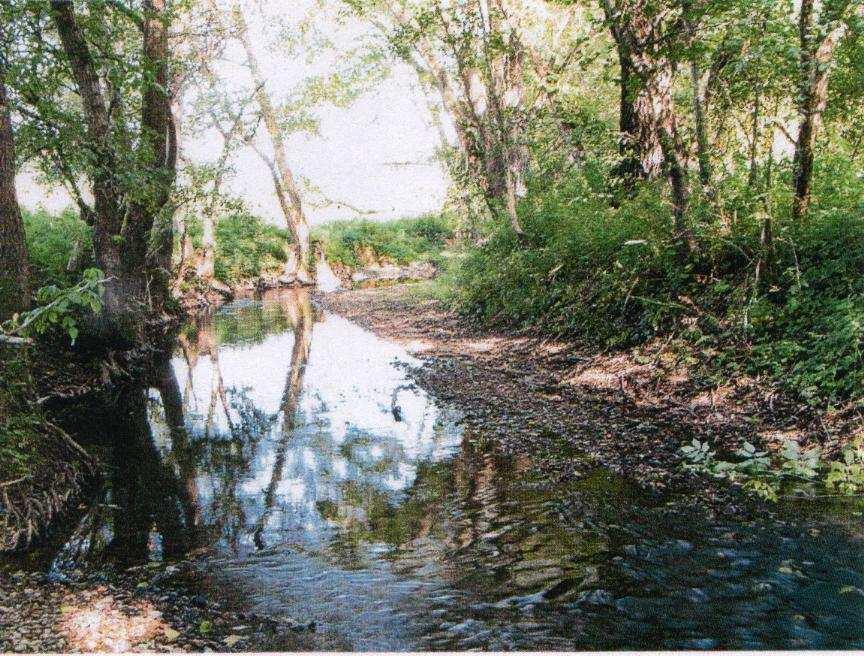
x: 232, y: 640
x: 696, y: 596
x: 170, y: 634
x: 598, y: 597
x: 699, y: 643
x: 413, y: 271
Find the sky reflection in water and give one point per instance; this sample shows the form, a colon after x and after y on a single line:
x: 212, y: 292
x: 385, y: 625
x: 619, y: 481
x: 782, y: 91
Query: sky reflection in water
x: 332, y: 489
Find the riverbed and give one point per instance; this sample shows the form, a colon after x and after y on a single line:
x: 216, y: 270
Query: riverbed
x: 297, y: 452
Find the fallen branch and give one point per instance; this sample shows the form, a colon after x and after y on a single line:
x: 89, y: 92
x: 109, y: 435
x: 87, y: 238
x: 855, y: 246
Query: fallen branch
x: 13, y: 482
x: 12, y: 340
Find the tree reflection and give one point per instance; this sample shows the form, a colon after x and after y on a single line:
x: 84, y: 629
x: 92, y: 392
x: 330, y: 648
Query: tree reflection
x: 144, y: 491
x: 302, y: 320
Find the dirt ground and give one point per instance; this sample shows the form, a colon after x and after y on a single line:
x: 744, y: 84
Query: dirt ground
x: 630, y: 412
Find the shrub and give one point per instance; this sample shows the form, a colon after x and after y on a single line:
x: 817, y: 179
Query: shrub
x: 609, y: 277
x: 51, y: 241
x: 364, y: 242
x: 246, y: 247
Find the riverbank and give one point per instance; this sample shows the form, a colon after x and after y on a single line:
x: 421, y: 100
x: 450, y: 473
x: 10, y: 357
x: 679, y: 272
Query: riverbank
x: 154, y: 608
x: 629, y: 411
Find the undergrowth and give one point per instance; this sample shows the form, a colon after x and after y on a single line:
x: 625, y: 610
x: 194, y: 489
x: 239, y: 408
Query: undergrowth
x: 610, y: 278
x: 403, y: 241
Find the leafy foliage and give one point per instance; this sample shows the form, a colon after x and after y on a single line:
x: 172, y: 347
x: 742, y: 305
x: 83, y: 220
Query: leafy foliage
x: 611, y: 278
x: 766, y: 476
x: 61, y: 307
x: 55, y: 241
x: 359, y: 243
x: 246, y: 247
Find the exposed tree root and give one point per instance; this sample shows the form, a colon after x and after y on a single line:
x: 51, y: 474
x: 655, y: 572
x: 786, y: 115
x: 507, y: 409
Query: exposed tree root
x: 29, y: 503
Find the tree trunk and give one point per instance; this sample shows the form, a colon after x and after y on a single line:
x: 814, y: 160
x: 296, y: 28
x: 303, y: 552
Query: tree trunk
x: 151, y: 232
x: 628, y: 170
x: 206, y: 266
x: 702, y: 156
x: 648, y: 109
x: 14, y: 278
x: 754, y: 141
x: 107, y: 213
x: 815, y: 67
x: 287, y: 190
x: 132, y: 232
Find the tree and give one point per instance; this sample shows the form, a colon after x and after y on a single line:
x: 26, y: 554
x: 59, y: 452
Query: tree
x: 283, y: 178
x: 118, y: 135
x: 475, y: 56
x: 819, y: 35
x: 14, y: 279
x: 651, y: 143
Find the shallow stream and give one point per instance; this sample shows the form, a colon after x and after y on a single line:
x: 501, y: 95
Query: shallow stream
x: 332, y: 489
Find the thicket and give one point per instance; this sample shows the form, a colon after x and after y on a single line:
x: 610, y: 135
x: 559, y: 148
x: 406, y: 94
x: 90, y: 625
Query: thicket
x: 60, y: 246
x: 612, y: 277
x: 245, y: 246
x: 402, y: 241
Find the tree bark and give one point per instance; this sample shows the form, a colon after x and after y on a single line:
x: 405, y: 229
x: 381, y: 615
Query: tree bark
x: 107, y: 213
x: 753, y: 176
x: 647, y: 76
x: 702, y: 156
x: 14, y: 277
x: 151, y: 232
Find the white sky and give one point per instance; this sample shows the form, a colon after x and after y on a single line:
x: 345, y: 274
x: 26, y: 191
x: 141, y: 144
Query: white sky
x: 361, y: 153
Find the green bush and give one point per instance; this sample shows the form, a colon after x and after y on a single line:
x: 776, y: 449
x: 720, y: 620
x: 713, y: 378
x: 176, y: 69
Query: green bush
x: 359, y: 243
x: 51, y: 241
x: 246, y: 247
x: 609, y: 277
x: 604, y: 275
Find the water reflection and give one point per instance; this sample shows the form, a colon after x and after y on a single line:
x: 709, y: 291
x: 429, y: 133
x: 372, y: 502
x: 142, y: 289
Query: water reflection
x: 293, y: 445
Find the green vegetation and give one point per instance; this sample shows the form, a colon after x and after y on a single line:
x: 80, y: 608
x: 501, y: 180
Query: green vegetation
x: 60, y: 246
x: 60, y: 308
x: 246, y: 247
x: 611, y: 277
x: 362, y: 243
x: 20, y: 424
x: 792, y: 471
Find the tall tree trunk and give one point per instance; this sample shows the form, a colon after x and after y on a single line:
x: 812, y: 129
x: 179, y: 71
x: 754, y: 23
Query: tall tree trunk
x: 753, y: 176
x: 814, y: 69
x: 702, y: 156
x: 152, y: 230
x: 647, y: 77
x: 207, y: 264
x: 504, y: 91
x: 14, y: 278
x: 106, y: 193
x: 287, y: 191
x: 132, y: 226
x: 628, y: 170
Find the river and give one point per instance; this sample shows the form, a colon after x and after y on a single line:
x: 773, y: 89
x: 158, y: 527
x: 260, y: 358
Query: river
x: 327, y: 487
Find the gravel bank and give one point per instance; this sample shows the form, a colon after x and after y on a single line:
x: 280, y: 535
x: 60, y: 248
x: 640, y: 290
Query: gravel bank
x: 629, y: 412
x: 145, y: 609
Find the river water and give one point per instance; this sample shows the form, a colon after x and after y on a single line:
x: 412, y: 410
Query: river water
x: 329, y: 488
